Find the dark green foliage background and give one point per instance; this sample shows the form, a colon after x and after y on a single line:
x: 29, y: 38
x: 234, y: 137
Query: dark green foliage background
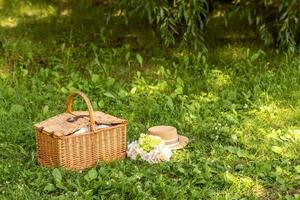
x: 185, y: 21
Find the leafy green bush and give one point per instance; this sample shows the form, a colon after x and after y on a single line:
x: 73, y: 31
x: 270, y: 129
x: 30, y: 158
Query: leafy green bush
x: 175, y: 19
x: 277, y: 22
x: 183, y: 21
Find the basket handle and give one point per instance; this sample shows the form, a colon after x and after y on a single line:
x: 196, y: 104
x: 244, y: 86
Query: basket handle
x: 87, y: 102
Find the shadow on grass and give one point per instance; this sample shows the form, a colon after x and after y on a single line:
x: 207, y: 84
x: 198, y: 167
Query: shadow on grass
x: 67, y: 21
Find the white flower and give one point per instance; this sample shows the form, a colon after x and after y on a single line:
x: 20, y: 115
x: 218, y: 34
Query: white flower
x: 133, y: 150
x: 157, y: 154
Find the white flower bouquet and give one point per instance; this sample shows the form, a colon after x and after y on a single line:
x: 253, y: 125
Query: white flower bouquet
x: 149, y: 148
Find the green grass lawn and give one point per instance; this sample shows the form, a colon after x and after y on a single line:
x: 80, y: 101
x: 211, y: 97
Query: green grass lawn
x: 239, y: 105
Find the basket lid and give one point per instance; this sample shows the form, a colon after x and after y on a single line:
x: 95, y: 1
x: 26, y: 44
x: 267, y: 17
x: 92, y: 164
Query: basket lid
x: 67, y: 123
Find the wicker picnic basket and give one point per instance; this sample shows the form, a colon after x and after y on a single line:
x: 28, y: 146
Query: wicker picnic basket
x: 59, y: 146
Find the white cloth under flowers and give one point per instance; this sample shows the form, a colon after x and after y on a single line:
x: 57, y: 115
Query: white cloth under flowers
x: 158, y: 152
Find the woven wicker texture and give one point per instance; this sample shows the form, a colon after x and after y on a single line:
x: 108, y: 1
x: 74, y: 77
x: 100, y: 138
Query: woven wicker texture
x: 57, y: 147
x: 60, y: 126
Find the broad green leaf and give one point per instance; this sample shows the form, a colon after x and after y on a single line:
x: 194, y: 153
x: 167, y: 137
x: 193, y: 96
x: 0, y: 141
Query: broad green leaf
x: 45, y: 109
x: 122, y: 93
x: 182, y: 170
x: 234, y: 137
x: 241, y: 153
x: 127, y: 56
x: 228, y: 177
x: 64, y: 90
x: 88, y: 192
x: 239, y: 167
x: 110, y: 81
x: 133, y: 90
x: 231, y: 149
x: 92, y: 174
x: 108, y: 94
x: 16, y: 108
x: 139, y: 58
x: 170, y: 103
x: 277, y: 149
x: 255, y: 56
x: 101, y: 104
x: 278, y: 170
x: 56, y: 174
x: 24, y: 72
x: 49, y: 187
x: 95, y: 78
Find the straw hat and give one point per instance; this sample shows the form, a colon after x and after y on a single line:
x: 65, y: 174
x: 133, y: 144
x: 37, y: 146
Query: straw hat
x: 170, y: 136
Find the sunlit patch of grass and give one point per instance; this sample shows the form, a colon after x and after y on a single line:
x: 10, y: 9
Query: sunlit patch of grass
x: 156, y: 87
x: 181, y: 155
x: 274, y: 115
x: 230, y: 53
x: 25, y: 10
x: 206, y: 97
x: 266, y: 130
x: 38, y: 12
x: 4, y: 74
x: 65, y: 12
x: 219, y: 13
x: 194, y: 105
x: 9, y: 22
x: 218, y: 80
x: 284, y: 136
x: 283, y: 143
x: 150, y: 88
x: 295, y: 133
x: 244, y: 185
x: 118, y: 13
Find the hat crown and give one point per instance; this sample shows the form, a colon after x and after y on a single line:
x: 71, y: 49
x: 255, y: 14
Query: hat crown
x: 164, y: 132
x: 169, y: 135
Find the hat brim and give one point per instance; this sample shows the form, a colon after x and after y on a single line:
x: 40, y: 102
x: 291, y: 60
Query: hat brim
x: 182, y: 142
